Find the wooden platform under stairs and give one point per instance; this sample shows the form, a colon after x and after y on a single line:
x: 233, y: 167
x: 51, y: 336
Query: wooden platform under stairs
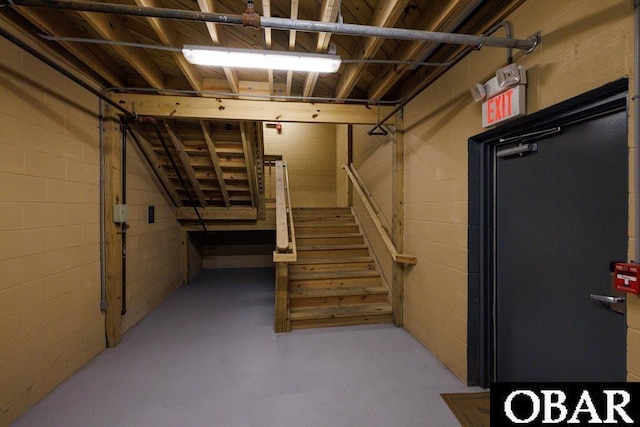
x: 335, y: 281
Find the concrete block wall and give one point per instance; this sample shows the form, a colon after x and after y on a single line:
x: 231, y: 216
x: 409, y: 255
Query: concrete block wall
x: 372, y: 158
x: 50, y: 318
x: 310, y: 151
x: 586, y: 44
x: 154, y: 251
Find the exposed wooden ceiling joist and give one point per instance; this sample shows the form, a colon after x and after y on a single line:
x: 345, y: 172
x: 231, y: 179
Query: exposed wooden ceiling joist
x: 217, y: 39
x: 61, y: 26
x: 432, y: 20
x: 384, y: 15
x: 328, y: 13
x: 111, y: 27
x: 168, y: 34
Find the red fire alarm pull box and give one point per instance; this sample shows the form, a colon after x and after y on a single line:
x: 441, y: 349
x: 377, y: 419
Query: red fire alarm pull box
x: 625, y: 278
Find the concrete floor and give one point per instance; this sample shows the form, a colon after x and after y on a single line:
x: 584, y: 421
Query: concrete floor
x: 208, y: 357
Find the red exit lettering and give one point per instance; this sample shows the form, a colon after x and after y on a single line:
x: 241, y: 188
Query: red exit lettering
x: 500, y: 107
x: 503, y: 106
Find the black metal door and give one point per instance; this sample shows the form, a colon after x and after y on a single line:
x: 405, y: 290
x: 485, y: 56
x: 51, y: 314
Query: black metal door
x: 561, y: 215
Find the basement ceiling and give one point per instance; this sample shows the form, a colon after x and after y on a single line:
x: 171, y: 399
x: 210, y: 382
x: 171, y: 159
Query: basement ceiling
x: 214, y: 170
x: 144, y: 66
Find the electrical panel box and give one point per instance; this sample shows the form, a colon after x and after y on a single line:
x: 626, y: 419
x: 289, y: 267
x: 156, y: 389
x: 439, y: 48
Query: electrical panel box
x: 120, y: 214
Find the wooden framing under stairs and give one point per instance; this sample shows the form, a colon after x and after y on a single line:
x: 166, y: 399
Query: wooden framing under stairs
x: 335, y: 281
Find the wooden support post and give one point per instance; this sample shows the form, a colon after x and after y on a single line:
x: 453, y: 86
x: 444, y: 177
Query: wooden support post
x: 282, y: 322
x: 113, y: 236
x: 184, y: 241
x: 397, y: 225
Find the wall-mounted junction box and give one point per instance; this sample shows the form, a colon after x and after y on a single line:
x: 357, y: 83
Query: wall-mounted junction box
x: 120, y: 214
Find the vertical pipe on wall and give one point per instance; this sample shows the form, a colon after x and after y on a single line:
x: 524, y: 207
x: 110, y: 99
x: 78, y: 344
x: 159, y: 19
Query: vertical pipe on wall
x: 636, y: 130
x: 123, y: 228
x: 103, y: 283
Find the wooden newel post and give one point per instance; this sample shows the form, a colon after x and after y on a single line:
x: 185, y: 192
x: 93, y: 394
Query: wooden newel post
x: 282, y: 323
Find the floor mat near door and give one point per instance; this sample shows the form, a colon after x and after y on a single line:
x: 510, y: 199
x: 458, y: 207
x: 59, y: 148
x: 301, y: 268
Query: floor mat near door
x: 471, y: 409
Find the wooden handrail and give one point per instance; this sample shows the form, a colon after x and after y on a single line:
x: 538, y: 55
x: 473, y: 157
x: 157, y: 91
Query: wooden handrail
x: 375, y: 216
x: 286, y: 250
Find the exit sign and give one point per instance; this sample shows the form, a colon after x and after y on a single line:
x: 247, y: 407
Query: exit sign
x: 504, y: 106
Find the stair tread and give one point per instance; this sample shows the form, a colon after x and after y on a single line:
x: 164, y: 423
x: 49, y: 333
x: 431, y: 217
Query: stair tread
x: 324, y: 224
x: 352, y: 310
x: 341, y: 260
x: 332, y: 274
x: 336, y: 292
x: 329, y: 236
x: 331, y: 247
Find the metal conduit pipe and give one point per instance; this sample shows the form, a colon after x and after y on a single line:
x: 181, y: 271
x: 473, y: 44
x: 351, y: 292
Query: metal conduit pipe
x: 124, y: 126
x: 636, y: 128
x: 177, y: 49
x: 103, y: 254
x: 421, y: 87
x: 155, y: 172
x: 283, y: 23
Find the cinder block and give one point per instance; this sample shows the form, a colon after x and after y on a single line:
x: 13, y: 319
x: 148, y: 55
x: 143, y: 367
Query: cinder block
x: 10, y: 330
x: 63, y: 237
x: 82, y: 214
x: 63, y: 191
x: 12, y: 273
x: 20, y: 188
x: 12, y: 159
x: 12, y: 217
x: 633, y: 350
x: 82, y: 172
x: 44, y: 165
x: 41, y: 215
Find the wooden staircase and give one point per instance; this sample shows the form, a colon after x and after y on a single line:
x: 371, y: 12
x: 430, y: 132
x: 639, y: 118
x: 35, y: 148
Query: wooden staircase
x: 335, y: 281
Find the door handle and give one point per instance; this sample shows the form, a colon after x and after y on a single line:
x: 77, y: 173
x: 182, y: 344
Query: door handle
x: 608, y: 299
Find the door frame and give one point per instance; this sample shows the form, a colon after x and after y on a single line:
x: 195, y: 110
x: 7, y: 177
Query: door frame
x: 610, y: 98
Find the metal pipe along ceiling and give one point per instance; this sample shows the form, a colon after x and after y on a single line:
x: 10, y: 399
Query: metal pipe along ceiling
x: 283, y: 23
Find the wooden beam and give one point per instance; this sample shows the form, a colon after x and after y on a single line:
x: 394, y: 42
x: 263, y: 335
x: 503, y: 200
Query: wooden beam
x: 184, y: 159
x: 168, y: 34
x: 61, y: 26
x: 385, y: 14
x: 111, y: 27
x: 218, y: 214
x: 216, y: 37
x: 184, y: 257
x: 328, y: 13
x: 156, y: 164
x: 295, y: 5
x: 397, y: 226
x: 282, y: 323
x: 282, y: 228
x: 112, y: 231
x: 249, y: 161
x: 432, y: 20
x: 235, y: 109
x: 268, y: 41
x: 216, y: 163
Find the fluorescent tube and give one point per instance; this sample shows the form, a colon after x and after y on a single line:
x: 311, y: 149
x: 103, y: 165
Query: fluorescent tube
x: 261, y: 59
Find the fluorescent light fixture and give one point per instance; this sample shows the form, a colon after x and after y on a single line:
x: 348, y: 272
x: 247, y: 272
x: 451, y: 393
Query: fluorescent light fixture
x: 261, y: 59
